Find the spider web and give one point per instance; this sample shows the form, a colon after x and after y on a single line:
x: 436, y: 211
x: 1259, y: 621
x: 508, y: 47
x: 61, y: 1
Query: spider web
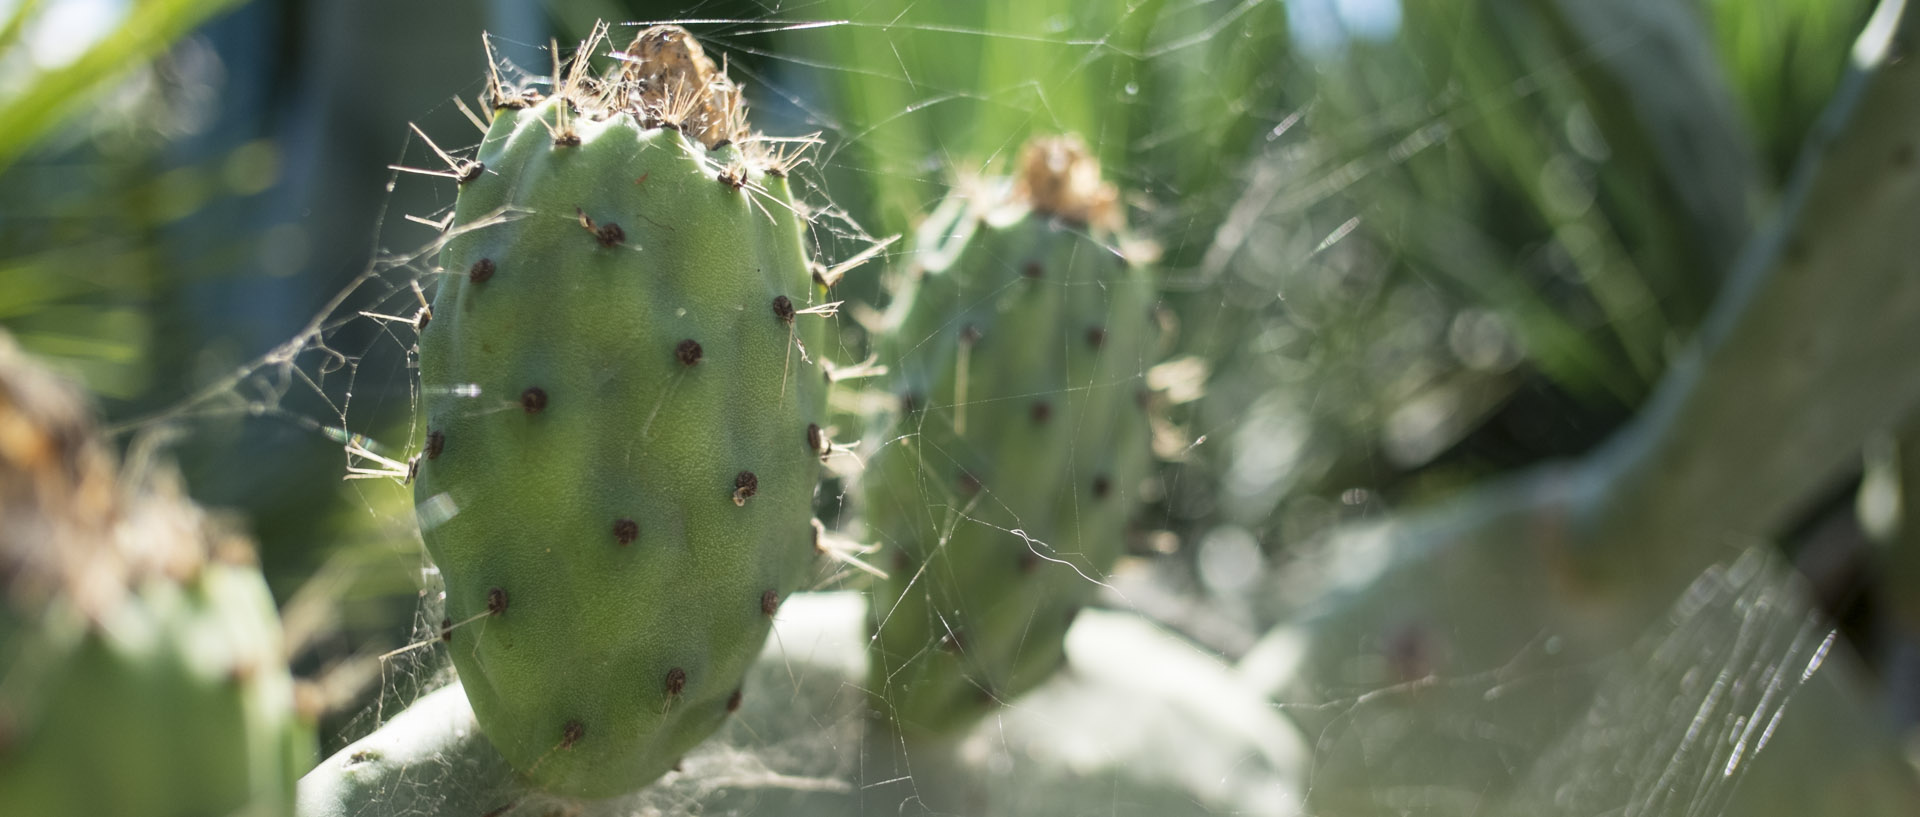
x: 1170, y: 704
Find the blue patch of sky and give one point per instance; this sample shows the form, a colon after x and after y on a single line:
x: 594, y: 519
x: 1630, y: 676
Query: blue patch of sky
x: 1322, y: 28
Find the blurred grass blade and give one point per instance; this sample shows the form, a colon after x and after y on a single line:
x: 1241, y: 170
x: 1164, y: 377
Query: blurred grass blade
x: 1650, y: 72
x: 48, y: 99
x: 1784, y: 58
x: 10, y: 32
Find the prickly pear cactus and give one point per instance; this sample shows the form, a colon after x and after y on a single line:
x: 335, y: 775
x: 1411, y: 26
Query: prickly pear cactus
x: 624, y: 399
x: 1019, y: 353
x: 142, y: 671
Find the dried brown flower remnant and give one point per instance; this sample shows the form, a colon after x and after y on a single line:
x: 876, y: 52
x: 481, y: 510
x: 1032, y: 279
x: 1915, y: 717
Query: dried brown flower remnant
x: 669, y: 80
x: 664, y: 79
x: 73, y: 523
x: 1060, y: 176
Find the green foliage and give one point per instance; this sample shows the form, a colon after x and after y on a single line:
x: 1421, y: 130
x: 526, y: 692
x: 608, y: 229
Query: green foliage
x: 1650, y: 558
x: 970, y: 82
x: 623, y: 413
x: 1784, y: 58
x: 1477, y: 248
x: 149, y: 28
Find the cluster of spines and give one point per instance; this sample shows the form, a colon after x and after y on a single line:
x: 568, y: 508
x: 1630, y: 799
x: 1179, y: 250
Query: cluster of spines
x: 666, y: 81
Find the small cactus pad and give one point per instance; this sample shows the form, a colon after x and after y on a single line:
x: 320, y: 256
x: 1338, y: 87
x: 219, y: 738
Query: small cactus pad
x: 1019, y: 351
x: 141, y: 665
x: 616, y: 469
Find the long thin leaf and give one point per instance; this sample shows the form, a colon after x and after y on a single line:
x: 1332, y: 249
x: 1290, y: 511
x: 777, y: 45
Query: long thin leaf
x: 149, y: 28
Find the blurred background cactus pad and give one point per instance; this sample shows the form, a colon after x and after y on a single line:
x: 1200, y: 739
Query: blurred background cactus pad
x: 146, y: 671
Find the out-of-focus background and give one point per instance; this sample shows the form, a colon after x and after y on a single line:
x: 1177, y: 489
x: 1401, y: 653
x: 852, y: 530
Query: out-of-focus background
x: 1410, y: 246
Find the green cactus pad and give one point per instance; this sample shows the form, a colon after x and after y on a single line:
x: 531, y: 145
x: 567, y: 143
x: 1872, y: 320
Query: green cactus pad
x: 141, y: 666
x: 622, y: 411
x: 1019, y: 355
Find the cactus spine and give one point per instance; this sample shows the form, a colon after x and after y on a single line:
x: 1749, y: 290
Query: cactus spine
x: 141, y: 666
x: 1019, y: 349
x: 623, y: 404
